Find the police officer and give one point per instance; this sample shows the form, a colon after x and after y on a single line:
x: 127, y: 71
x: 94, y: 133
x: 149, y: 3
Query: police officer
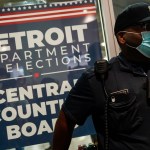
x: 127, y: 91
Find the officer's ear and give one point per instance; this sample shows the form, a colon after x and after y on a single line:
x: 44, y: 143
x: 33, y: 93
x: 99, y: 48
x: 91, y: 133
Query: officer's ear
x: 120, y: 38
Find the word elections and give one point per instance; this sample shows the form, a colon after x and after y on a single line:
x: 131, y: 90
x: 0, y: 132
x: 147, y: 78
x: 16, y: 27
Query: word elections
x: 46, y: 57
x: 37, y: 38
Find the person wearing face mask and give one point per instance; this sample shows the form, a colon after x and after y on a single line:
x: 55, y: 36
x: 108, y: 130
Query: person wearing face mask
x: 132, y: 30
x: 116, y: 95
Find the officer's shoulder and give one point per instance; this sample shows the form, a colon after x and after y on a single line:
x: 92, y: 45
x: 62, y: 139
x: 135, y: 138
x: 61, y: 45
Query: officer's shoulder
x: 113, y: 60
x: 89, y: 73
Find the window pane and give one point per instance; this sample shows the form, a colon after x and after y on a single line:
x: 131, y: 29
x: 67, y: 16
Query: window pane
x: 102, y: 44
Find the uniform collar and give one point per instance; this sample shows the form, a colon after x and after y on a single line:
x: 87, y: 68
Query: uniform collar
x: 130, y: 66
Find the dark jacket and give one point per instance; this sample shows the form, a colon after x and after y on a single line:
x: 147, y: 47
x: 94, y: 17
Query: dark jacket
x: 128, y: 106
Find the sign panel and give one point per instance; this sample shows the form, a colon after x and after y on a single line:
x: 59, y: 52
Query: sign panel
x: 43, y: 51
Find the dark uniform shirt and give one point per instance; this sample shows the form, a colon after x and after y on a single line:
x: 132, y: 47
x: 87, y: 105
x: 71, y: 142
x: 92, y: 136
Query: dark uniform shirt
x: 128, y: 105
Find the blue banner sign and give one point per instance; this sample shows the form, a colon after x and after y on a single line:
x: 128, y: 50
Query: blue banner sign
x: 43, y: 51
